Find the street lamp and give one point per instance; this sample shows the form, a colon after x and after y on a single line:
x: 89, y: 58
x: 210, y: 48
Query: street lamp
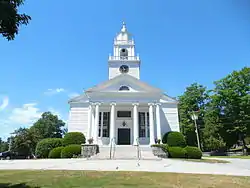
x: 195, y: 117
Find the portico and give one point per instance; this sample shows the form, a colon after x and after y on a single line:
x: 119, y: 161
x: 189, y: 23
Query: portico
x: 126, y: 123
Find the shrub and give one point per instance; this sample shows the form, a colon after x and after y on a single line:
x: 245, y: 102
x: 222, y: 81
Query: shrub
x: 193, y: 152
x: 56, y: 152
x: 174, y: 139
x: 177, y: 152
x: 73, y: 138
x: 70, y: 151
x: 44, y: 146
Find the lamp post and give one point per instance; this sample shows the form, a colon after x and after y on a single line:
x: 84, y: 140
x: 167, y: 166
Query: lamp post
x: 195, y: 117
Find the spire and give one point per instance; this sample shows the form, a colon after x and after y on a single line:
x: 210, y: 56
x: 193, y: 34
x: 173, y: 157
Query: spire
x: 124, y: 29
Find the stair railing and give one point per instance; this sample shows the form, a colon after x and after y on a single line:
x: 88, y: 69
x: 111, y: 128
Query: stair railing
x: 112, y: 148
x: 138, y: 149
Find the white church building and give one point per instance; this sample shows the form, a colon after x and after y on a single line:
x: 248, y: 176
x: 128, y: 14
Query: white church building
x: 123, y: 109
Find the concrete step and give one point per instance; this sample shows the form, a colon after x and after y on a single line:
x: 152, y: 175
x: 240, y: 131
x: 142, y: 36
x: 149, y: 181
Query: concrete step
x: 125, y: 153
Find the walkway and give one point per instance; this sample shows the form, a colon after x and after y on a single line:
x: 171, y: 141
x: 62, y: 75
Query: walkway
x: 236, y: 168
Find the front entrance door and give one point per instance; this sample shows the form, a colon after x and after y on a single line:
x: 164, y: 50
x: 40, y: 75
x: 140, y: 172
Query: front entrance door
x: 123, y: 136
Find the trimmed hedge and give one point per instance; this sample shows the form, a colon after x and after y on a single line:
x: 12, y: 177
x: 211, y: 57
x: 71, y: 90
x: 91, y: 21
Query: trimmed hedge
x: 177, y: 152
x: 44, y: 146
x: 174, y: 139
x: 193, y: 152
x: 71, y: 150
x: 73, y: 138
x: 56, y: 152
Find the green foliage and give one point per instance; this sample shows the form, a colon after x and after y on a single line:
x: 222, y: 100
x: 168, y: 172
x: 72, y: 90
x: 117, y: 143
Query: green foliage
x: 230, y: 103
x: 193, y: 152
x: 177, y: 152
x: 23, y: 142
x: 4, y: 146
x: 193, y: 99
x: 71, y: 151
x: 56, y: 152
x: 48, y: 126
x: 10, y: 19
x: 73, y: 138
x: 44, y: 146
x: 247, y: 140
x: 174, y: 139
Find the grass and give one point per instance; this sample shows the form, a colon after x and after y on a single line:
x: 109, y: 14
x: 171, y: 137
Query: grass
x: 92, y: 179
x: 236, y: 157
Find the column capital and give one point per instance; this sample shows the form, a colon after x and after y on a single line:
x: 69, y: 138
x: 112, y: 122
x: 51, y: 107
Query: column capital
x: 113, y: 103
x: 158, y: 104
x: 135, y: 104
x: 151, y: 104
x: 97, y: 103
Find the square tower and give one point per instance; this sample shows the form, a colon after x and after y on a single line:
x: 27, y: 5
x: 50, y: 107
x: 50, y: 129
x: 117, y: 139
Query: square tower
x: 124, y: 60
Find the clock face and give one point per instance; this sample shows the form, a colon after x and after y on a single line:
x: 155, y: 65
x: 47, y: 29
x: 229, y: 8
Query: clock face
x: 124, y: 69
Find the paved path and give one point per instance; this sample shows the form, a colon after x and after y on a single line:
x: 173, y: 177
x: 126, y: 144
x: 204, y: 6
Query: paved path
x: 236, y: 168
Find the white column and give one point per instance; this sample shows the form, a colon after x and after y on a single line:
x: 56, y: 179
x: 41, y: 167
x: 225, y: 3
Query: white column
x: 112, y: 122
x: 158, y: 121
x: 96, y: 122
x: 93, y: 123
x: 89, y: 121
x: 101, y: 124
x: 135, y: 123
x: 151, y: 124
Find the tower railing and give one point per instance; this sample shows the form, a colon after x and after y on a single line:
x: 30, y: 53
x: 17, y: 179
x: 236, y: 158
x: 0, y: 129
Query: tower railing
x: 127, y: 58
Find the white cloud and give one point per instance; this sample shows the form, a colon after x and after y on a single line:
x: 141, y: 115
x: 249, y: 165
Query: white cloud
x: 54, y: 91
x: 26, y: 115
x: 4, y: 103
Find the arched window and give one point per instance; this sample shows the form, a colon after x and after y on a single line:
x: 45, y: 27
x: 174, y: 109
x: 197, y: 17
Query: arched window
x: 124, y: 53
x: 124, y: 88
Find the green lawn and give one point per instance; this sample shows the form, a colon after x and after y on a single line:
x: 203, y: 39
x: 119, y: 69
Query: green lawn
x: 238, y: 157
x: 91, y: 179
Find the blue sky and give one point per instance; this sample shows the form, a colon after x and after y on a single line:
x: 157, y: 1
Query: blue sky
x: 66, y: 46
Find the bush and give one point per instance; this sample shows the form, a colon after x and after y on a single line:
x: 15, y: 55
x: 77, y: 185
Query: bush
x: 56, y: 152
x: 193, y: 152
x: 177, y: 152
x: 174, y: 139
x: 44, y: 146
x: 70, y: 151
x: 73, y: 138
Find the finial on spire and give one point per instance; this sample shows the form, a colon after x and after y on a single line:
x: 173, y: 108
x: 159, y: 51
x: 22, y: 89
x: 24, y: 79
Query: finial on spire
x: 124, y: 29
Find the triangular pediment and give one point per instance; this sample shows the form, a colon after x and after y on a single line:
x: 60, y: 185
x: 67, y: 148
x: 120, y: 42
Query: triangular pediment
x: 115, y: 85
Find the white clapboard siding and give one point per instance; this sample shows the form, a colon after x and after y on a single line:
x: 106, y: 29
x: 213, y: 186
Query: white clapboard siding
x: 78, y: 120
x: 170, y: 112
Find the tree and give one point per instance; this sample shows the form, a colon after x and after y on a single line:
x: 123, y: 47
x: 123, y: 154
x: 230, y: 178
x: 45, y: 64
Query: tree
x: 10, y: 19
x: 231, y: 99
x: 193, y: 99
x: 4, y: 146
x: 48, y: 126
x: 23, y: 142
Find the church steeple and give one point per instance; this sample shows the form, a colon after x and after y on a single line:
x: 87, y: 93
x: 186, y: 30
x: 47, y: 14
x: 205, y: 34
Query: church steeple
x: 124, y: 54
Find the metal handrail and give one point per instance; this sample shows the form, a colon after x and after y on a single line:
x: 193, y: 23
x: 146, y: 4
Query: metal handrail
x: 112, y: 148
x: 138, y: 149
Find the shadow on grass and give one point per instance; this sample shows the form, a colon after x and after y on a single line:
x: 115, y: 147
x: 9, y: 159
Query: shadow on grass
x: 20, y: 185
